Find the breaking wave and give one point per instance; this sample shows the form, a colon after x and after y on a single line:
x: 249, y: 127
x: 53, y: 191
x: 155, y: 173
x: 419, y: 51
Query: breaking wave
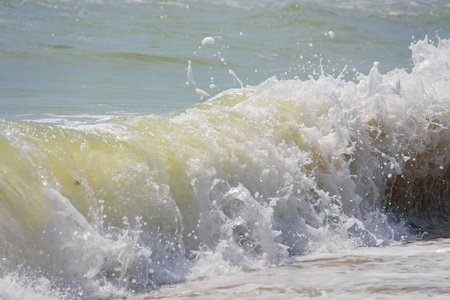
x: 245, y: 180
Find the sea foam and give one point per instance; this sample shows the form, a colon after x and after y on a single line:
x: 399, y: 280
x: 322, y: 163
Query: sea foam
x: 245, y: 180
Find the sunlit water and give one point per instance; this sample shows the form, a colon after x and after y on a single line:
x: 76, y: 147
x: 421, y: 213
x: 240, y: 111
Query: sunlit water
x: 224, y: 149
x: 403, y: 271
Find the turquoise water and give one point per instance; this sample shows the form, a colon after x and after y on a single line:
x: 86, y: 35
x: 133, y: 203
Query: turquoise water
x: 145, y: 144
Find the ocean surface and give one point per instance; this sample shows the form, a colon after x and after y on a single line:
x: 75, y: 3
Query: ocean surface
x: 224, y: 149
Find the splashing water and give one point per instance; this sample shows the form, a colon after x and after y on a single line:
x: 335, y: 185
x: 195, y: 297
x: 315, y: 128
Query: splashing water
x: 247, y: 179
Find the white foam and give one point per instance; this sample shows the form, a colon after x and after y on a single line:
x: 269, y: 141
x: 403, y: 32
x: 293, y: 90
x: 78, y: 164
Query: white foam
x: 14, y: 286
x: 244, y: 181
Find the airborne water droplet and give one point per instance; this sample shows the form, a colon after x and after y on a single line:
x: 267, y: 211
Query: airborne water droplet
x: 190, y: 74
x: 208, y: 41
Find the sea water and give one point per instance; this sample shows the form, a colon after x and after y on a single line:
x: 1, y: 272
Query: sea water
x: 403, y: 271
x: 224, y: 148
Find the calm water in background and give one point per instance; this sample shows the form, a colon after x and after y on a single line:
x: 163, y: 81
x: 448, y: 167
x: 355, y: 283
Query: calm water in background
x: 128, y: 57
x: 127, y: 182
